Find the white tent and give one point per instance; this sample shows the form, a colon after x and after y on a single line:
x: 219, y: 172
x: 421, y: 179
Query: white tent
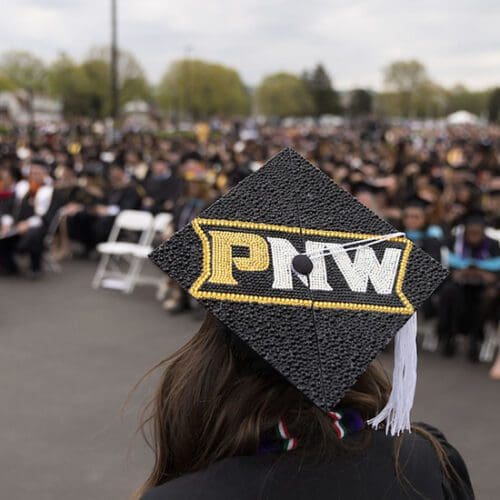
x: 462, y: 118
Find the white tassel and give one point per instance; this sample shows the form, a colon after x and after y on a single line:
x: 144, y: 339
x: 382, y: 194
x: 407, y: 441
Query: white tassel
x: 396, y: 412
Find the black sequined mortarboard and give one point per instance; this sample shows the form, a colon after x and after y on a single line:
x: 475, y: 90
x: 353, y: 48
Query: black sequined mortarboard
x: 309, y: 278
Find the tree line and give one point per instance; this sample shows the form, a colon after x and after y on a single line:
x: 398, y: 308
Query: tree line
x: 200, y: 89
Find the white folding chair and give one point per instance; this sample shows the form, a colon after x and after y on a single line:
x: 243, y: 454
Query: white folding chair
x: 128, y: 220
x: 493, y: 233
x: 140, y: 255
x: 427, y: 328
x: 490, y: 343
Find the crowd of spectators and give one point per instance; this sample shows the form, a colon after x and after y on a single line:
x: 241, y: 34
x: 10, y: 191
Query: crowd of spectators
x: 439, y: 185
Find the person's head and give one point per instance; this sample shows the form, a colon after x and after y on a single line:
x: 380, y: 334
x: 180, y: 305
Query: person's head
x: 196, y: 189
x: 132, y: 158
x: 370, y: 170
x: 365, y: 194
x: 415, y: 215
x: 65, y: 175
x: 159, y: 167
x: 493, y: 200
x: 9, y: 176
x: 474, y: 226
x: 38, y: 172
x: 414, y: 218
x: 463, y: 194
x: 461, y: 174
x: 116, y: 174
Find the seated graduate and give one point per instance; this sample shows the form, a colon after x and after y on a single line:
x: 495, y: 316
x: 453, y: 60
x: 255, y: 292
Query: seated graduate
x: 72, y: 194
x: 417, y: 228
x: 470, y: 296
x: 197, y: 193
x: 278, y: 395
x: 162, y: 188
x: 25, y: 223
x: 93, y: 224
x: 135, y: 166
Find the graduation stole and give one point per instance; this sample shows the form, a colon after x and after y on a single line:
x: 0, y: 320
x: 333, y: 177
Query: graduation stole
x: 278, y: 438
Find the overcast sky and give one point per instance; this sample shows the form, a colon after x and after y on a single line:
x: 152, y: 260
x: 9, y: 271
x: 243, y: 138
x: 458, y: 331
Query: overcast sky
x: 458, y: 40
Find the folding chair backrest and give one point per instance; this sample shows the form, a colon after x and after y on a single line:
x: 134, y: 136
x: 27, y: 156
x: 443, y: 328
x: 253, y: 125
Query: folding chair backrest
x: 133, y: 220
x: 493, y: 233
x: 161, y: 222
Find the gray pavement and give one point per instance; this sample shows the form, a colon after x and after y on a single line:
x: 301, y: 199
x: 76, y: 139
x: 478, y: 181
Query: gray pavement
x: 70, y: 355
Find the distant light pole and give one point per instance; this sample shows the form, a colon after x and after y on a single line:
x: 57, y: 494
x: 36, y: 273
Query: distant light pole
x: 189, y: 52
x: 114, y: 64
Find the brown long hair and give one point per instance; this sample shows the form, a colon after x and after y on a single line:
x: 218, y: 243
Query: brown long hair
x: 212, y: 403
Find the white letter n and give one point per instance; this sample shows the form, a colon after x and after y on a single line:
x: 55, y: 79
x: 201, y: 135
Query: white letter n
x: 283, y: 253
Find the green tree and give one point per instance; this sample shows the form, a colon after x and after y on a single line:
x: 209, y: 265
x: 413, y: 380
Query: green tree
x: 6, y: 83
x: 325, y: 98
x: 461, y: 98
x: 387, y: 103
x: 202, y: 89
x: 404, y: 79
x: 85, y: 88
x: 360, y: 102
x: 494, y: 105
x: 97, y: 92
x: 135, y: 88
x: 132, y: 81
x: 74, y: 85
x: 24, y: 70
x: 284, y: 94
x: 429, y: 100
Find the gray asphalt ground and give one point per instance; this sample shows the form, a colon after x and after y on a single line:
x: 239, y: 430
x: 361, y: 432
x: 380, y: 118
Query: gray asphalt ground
x: 70, y: 355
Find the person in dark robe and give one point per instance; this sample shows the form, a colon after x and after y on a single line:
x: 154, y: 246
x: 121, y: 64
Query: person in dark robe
x: 71, y: 195
x: 162, y: 188
x: 470, y: 295
x: 216, y: 438
x: 93, y: 224
x: 25, y: 225
x: 197, y: 193
x: 428, y: 237
x: 417, y: 228
x: 279, y: 395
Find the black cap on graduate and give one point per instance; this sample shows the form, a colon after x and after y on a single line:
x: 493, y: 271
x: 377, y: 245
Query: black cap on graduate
x: 474, y: 216
x: 310, y: 279
x: 416, y: 201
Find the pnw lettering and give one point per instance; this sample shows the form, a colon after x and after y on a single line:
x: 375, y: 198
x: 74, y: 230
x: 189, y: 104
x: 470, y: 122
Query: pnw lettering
x: 252, y: 262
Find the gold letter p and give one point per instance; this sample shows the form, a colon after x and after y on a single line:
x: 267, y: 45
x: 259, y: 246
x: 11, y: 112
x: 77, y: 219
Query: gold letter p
x: 223, y: 260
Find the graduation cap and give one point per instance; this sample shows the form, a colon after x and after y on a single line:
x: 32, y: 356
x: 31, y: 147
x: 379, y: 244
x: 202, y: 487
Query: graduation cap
x: 365, y: 187
x: 417, y: 202
x: 474, y: 216
x: 312, y: 281
x: 39, y: 162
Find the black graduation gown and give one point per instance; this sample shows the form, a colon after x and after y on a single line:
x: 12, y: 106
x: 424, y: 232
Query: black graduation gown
x: 126, y: 197
x: 162, y: 189
x: 432, y: 246
x: 32, y: 241
x: 91, y: 229
x: 7, y: 202
x: 368, y: 475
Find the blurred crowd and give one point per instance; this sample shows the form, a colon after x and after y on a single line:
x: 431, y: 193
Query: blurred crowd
x: 61, y: 190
